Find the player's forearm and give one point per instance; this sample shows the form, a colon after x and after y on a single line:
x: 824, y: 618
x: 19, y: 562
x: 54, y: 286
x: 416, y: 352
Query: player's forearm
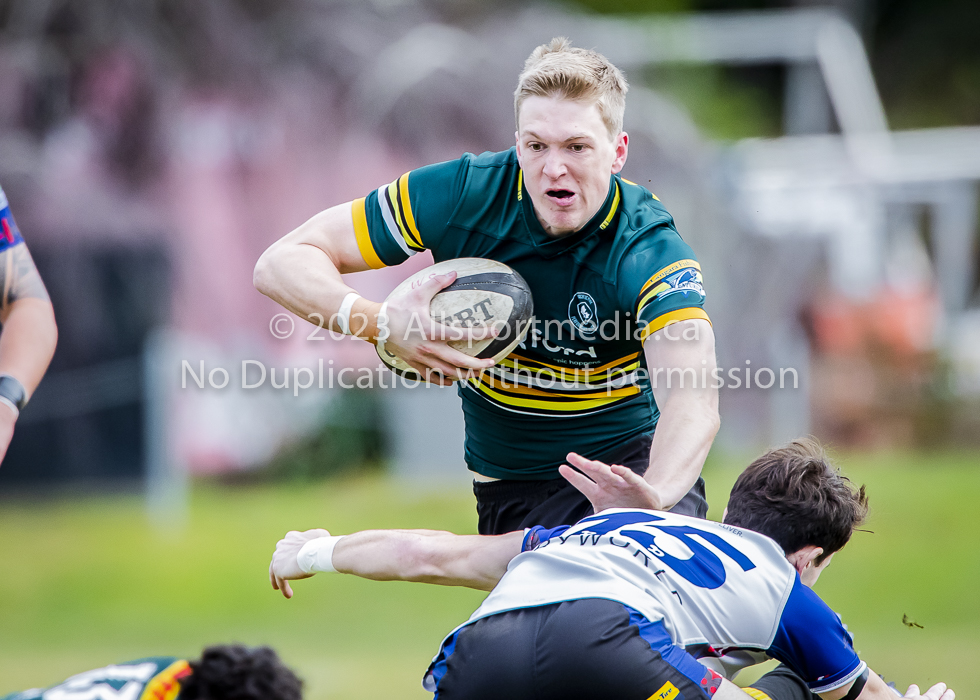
x: 688, y: 424
x: 876, y: 689
x: 682, y: 362
x: 303, y: 279
x: 427, y: 556
x: 28, y: 341
x: 302, y: 272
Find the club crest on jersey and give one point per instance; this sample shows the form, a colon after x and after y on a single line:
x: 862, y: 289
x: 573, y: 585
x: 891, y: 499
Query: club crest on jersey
x: 583, y: 313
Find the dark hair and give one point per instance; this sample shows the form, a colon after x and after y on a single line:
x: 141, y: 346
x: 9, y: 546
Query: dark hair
x: 235, y: 672
x: 794, y: 495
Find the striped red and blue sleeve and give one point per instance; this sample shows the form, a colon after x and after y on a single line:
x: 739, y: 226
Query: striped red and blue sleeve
x: 535, y: 536
x: 9, y: 233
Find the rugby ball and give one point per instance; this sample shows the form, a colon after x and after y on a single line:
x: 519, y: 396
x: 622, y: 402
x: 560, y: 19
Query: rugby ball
x: 485, y: 292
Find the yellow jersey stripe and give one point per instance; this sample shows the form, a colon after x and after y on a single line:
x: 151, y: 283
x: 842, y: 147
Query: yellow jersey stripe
x: 673, y: 267
x: 579, y: 376
x: 756, y: 693
x: 612, y: 210
x: 407, y: 209
x: 591, y: 371
x: 363, y: 236
x: 670, y: 317
x: 500, y: 385
x: 520, y: 185
x: 546, y: 405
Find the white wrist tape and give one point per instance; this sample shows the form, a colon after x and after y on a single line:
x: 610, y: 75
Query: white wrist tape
x: 316, y: 556
x: 343, y: 313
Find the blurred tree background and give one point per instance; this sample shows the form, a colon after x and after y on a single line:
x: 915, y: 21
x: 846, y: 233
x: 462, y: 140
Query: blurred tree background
x: 925, y: 55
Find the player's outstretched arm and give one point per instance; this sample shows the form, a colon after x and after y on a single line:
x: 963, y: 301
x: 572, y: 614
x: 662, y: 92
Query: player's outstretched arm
x: 427, y: 556
x: 876, y: 689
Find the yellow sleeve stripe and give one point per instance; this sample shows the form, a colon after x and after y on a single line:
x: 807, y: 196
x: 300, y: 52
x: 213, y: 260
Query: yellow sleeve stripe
x: 363, y: 236
x: 673, y: 267
x: 407, y: 209
x: 396, y: 208
x: 663, y: 286
x: 756, y: 693
x: 670, y: 317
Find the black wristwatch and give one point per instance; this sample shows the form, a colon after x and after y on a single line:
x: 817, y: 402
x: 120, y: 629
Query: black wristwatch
x: 12, y: 392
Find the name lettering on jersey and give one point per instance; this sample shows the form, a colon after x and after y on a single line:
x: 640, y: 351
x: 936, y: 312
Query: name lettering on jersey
x: 687, y: 550
x: 731, y: 528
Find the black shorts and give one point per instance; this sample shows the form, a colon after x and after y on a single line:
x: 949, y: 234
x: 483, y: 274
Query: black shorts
x: 589, y: 649
x: 509, y: 504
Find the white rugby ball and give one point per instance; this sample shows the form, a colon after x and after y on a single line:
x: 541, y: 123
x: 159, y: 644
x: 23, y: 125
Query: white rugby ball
x: 485, y: 292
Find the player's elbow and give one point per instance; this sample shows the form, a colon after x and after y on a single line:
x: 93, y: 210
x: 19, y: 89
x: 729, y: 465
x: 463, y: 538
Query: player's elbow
x: 264, y: 274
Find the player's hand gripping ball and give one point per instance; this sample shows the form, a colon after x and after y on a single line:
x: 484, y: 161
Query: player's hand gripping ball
x: 485, y: 294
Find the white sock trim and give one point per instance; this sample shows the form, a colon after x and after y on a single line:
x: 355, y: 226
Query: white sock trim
x: 316, y: 556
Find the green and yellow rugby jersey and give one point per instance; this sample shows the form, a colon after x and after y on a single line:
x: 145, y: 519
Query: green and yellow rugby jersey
x: 156, y: 678
x: 579, y: 381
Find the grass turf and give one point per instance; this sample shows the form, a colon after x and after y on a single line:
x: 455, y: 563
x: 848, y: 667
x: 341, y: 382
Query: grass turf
x: 87, y: 582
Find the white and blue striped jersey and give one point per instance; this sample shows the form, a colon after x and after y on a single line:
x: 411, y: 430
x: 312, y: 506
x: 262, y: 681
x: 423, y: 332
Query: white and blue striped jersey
x: 727, y: 595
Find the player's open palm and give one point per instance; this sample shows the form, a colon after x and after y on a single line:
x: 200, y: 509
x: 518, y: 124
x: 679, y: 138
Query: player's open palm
x: 420, y: 341
x: 609, y: 486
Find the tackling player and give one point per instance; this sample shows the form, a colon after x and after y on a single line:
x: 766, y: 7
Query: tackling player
x: 605, y: 365
x: 627, y: 602
x: 224, y: 672
x: 29, y: 331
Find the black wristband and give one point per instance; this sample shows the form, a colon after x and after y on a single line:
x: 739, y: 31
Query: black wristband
x: 857, y: 686
x: 13, y: 391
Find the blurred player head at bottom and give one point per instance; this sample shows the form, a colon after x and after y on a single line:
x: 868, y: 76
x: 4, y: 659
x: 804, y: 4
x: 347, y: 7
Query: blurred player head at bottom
x: 236, y: 672
x: 223, y: 672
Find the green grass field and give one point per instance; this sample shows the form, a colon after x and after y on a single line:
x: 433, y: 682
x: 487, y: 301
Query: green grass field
x: 87, y: 582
